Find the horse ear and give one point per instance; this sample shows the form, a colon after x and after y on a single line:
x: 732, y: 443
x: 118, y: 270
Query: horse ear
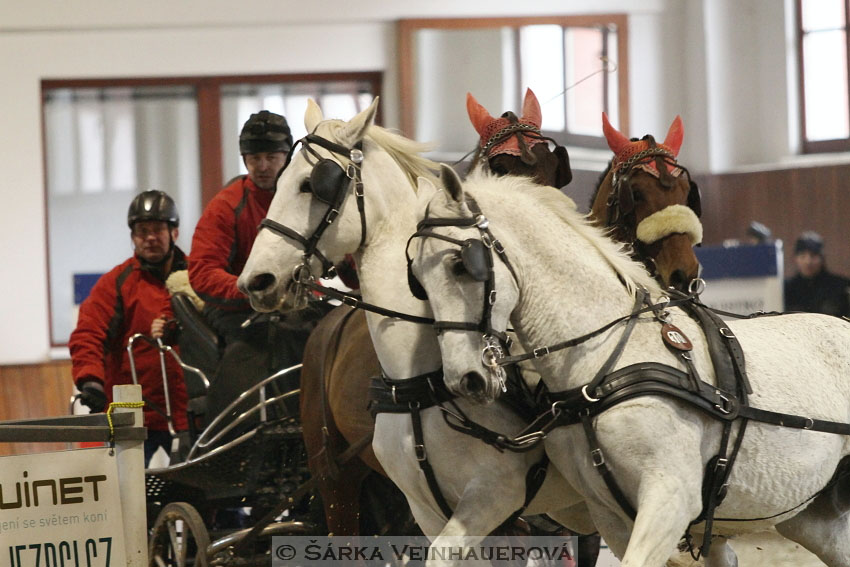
x: 425, y: 190
x: 451, y: 182
x: 313, y: 115
x: 531, y: 109
x: 478, y: 115
x: 356, y: 128
x: 616, y: 140
x: 675, y: 135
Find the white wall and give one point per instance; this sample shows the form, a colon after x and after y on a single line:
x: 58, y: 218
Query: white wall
x: 718, y: 63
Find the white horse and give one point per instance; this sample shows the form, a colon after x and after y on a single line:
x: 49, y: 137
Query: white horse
x: 467, y: 470
x: 567, y: 279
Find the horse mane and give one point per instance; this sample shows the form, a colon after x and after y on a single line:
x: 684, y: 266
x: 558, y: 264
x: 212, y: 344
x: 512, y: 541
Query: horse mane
x: 633, y: 274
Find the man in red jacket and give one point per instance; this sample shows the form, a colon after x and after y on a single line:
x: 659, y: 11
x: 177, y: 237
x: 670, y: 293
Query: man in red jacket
x: 123, y: 302
x: 253, y: 345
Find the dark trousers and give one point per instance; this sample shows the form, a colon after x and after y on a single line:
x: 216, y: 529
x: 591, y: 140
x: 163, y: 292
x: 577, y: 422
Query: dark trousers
x: 270, y: 342
x: 155, y: 440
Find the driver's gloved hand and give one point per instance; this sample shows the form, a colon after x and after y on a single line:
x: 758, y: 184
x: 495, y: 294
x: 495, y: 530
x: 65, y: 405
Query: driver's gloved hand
x: 93, y: 396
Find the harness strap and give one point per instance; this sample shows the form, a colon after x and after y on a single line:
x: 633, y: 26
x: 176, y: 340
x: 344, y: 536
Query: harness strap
x: 545, y: 350
x: 356, y: 302
x: 727, y: 356
x: 598, y: 460
x: 422, y: 458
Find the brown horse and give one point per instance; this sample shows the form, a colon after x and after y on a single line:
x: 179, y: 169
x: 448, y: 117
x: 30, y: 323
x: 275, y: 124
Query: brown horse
x: 648, y: 200
x: 340, y: 361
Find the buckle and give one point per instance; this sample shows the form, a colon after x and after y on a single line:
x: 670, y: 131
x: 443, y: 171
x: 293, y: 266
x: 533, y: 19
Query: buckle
x: 352, y: 301
x: 726, y: 332
x: 597, y: 457
x: 497, y: 246
x: 392, y: 390
x: 331, y: 216
x: 725, y: 406
x: 721, y: 464
x: 538, y: 352
x: 421, y: 454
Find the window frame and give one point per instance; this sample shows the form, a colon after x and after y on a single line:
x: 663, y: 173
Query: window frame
x: 406, y: 38
x: 818, y: 146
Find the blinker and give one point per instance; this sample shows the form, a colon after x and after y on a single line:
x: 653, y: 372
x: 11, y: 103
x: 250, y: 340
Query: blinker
x: 327, y: 181
x: 474, y: 256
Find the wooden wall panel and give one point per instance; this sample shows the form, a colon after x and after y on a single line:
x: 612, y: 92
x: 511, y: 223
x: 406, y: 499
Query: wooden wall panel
x: 788, y: 201
x: 37, y: 390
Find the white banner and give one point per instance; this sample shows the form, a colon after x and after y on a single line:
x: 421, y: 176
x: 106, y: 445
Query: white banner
x: 61, y: 509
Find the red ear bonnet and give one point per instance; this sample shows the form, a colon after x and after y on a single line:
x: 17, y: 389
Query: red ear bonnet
x: 489, y: 127
x: 624, y: 149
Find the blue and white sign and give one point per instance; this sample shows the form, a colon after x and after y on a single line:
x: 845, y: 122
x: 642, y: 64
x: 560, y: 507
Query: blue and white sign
x: 743, y: 279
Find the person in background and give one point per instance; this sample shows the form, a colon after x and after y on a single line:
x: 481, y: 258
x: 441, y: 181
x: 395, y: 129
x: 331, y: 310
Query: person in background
x: 814, y: 288
x: 757, y: 233
x: 123, y: 302
x: 253, y: 345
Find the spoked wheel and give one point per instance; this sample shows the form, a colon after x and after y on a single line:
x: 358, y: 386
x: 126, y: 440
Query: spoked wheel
x: 179, y: 538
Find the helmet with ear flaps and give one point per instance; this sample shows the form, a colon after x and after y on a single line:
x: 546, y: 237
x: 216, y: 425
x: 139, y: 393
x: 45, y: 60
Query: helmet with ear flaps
x: 265, y: 131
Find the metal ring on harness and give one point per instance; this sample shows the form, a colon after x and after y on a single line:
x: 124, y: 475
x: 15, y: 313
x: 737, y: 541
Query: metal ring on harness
x: 587, y: 396
x: 696, y: 286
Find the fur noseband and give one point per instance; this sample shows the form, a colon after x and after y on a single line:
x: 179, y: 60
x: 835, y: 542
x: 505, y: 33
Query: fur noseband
x: 670, y: 220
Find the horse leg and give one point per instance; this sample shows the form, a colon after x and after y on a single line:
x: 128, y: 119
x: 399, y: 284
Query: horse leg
x: 663, y: 514
x: 824, y: 526
x: 476, y: 515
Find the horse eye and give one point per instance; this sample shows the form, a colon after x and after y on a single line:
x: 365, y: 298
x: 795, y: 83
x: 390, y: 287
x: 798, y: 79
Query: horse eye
x: 305, y: 186
x: 637, y: 196
x: 456, y: 263
x: 499, y: 169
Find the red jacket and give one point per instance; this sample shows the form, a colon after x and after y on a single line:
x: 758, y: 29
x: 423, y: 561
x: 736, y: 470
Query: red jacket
x: 222, y: 242
x: 123, y: 302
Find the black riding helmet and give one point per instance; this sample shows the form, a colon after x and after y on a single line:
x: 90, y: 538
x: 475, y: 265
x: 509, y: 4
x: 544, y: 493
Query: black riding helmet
x: 153, y: 205
x: 265, y: 132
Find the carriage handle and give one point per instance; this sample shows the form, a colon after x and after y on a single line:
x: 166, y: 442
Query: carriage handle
x: 163, y: 349
x: 207, y: 438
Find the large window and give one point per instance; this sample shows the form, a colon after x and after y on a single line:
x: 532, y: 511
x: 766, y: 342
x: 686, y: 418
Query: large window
x: 576, y: 66
x: 109, y: 140
x: 824, y: 87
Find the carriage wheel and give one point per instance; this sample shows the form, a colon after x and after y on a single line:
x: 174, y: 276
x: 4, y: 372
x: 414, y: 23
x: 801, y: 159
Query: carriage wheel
x: 179, y: 538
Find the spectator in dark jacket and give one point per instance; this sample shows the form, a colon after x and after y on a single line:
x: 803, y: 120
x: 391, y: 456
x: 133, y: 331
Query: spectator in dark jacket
x: 123, y: 302
x: 814, y: 288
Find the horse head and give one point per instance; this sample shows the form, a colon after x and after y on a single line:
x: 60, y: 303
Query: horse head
x: 319, y: 210
x: 648, y: 200
x: 454, y: 262
x: 514, y: 145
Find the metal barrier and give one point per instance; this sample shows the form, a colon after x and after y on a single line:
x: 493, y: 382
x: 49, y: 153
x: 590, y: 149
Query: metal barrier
x: 44, y: 496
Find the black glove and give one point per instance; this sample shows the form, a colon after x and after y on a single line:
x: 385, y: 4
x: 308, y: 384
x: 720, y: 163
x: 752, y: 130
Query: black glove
x: 92, y: 397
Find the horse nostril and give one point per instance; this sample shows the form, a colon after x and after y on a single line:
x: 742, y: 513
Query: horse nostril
x: 473, y: 383
x: 261, y: 282
x: 679, y: 280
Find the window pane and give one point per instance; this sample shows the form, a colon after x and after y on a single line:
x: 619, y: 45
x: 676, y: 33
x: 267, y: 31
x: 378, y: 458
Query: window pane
x: 825, y: 80
x: 542, y: 64
x: 822, y: 14
x: 337, y: 99
x: 121, y: 141
x: 585, y: 78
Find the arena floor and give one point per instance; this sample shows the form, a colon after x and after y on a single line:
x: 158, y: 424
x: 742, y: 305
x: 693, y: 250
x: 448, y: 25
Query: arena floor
x: 756, y: 550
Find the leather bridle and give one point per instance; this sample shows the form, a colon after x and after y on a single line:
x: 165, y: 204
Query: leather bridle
x: 327, y: 183
x: 477, y: 258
